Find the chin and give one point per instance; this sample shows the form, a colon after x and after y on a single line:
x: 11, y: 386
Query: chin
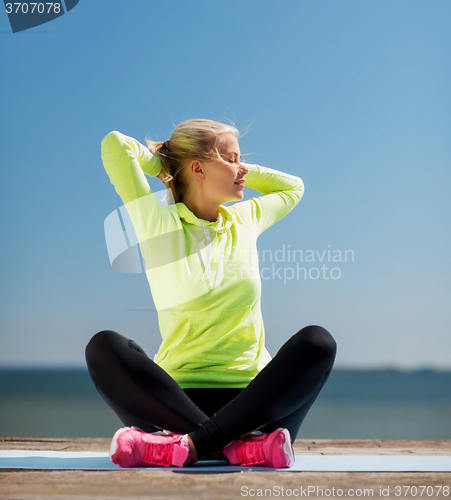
x: 237, y: 196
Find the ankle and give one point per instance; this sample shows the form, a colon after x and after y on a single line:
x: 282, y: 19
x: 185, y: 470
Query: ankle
x: 231, y: 453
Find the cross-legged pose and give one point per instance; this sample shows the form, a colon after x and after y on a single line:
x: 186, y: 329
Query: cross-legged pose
x: 212, y: 390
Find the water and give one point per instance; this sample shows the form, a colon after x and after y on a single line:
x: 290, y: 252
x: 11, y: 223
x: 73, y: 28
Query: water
x: 352, y: 405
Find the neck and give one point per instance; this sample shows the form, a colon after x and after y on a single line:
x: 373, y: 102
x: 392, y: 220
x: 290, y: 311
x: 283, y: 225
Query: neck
x: 202, y: 208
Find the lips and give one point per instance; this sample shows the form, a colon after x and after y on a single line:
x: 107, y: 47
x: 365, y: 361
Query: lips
x: 240, y: 182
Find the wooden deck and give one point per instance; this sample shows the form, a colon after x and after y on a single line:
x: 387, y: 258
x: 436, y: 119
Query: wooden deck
x: 168, y: 485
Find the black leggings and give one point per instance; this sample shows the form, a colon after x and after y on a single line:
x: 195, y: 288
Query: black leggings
x: 143, y: 395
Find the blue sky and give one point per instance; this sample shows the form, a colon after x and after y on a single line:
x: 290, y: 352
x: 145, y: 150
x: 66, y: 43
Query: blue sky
x: 352, y: 96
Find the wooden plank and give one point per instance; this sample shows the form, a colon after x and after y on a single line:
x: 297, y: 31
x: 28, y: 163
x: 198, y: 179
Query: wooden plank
x: 33, y: 485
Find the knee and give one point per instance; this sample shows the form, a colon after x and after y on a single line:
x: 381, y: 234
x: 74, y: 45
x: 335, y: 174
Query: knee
x: 98, y: 346
x: 320, y: 339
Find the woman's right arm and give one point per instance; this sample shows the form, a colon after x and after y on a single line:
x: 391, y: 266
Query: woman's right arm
x: 126, y: 161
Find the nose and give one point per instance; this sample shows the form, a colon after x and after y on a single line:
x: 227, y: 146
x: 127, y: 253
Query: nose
x: 244, y: 170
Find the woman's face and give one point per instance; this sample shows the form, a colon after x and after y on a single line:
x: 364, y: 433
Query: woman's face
x: 224, y: 177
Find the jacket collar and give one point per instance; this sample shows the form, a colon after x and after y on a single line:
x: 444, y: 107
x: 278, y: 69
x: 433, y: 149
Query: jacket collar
x: 225, y: 220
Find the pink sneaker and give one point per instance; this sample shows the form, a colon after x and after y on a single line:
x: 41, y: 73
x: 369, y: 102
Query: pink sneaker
x: 266, y: 450
x: 131, y: 447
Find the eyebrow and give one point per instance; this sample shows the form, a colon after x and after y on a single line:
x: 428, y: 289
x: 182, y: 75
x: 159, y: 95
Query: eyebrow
x: 233, y: 153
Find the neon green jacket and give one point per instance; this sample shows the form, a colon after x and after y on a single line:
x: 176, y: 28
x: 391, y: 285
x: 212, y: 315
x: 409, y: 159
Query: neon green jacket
x: 204, y: 276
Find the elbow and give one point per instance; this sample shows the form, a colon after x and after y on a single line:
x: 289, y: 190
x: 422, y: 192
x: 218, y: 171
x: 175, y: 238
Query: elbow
x: 300, y: 190
x: 300, y: 187
x: 301, y: 184
x: 111, y: 138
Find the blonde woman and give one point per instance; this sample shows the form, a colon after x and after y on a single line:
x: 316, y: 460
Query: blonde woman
x: 212, y: 390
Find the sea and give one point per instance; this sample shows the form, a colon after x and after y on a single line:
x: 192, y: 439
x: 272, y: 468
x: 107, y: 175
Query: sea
x: 386, y: 404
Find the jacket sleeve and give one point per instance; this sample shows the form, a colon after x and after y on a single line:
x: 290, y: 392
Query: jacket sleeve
x: 126, y: 162
x: 281, y: 193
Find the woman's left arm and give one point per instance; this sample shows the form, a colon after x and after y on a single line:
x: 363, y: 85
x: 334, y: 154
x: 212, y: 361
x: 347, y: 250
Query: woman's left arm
x: 281, y: 193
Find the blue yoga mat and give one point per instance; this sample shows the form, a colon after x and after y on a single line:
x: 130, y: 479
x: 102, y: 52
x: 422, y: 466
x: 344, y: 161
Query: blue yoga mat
x: 67, y: 460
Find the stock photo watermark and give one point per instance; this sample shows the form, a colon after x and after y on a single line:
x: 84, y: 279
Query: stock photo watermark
x: 287, y: 264
x: 378, y: 492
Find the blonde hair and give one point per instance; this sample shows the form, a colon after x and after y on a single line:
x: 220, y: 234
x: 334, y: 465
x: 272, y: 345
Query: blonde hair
x: 191, y: 140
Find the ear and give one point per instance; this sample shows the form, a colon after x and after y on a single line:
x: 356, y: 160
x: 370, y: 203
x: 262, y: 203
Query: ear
x: 197, y: 169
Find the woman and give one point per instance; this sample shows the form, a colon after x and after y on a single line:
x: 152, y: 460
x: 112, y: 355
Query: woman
x: 212, y: 390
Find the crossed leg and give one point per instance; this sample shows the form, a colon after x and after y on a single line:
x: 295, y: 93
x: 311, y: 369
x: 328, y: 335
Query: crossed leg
x: 143, y: 395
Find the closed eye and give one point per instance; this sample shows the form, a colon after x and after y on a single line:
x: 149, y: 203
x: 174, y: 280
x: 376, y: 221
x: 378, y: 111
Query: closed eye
x: 232, y: 159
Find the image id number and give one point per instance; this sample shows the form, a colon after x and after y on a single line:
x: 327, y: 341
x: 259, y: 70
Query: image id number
x: 421, y: 491
x: 32, y: 8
